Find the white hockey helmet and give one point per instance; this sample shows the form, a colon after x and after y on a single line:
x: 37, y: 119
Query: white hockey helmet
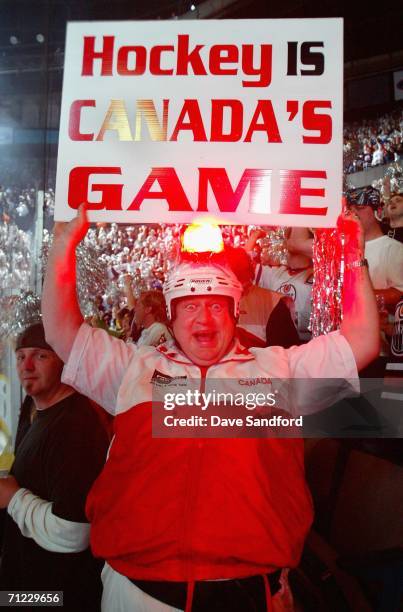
x: 202, y: 278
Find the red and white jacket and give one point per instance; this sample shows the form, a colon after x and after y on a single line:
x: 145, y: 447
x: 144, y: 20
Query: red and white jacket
x: 196, y: 509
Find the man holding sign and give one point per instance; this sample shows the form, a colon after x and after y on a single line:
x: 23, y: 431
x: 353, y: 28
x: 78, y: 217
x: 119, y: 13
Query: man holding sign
x: 195, y: 521
x: 241, y: 120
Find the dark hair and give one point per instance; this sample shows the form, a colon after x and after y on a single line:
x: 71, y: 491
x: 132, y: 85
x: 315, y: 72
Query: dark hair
x: 33, y: 337
x: 123, y: 312
x: 364, y: 196
x: 156, y: 301
x: 240, y: 264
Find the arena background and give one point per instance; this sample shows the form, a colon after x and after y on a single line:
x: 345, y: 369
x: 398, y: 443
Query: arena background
x: 32, y: 36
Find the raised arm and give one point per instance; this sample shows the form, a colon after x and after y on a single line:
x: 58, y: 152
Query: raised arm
x: 360, y: 324
x: 300, y: 242
x: 253, y: 238
x: 61, y: 313
x: 131, y: 300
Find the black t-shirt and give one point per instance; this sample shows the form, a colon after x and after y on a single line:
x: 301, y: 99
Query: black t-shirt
x: 396, y: 232
x: 58, y: 457
x: 280, y: 330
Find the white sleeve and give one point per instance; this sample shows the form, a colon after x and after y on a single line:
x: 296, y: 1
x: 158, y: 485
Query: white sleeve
x: 311, y: 377
x: 36, y: 520
x: 327, y: 356
x: 322, y: 372
x: 265, y: 280
x: 159, y: 335
x: 97, y: 365
x: 394, y: 265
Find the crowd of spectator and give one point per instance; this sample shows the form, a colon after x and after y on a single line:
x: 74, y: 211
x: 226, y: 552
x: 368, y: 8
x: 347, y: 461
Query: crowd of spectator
x: 15, y: 258
x: 19, y: 206
x: 373, y: 142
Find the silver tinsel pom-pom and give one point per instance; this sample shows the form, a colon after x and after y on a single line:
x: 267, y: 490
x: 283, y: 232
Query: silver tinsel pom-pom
x: 326, y: 313
x: 18, y: 312
x: 391, y: 182
x: 92, y: 273
x: 92, y: 278
x: 275, y: 244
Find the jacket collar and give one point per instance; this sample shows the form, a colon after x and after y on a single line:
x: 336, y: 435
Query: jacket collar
x: 237, y: 352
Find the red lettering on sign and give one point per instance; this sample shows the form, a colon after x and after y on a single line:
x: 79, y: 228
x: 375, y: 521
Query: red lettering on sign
x: 264, y: 69
x: 217, y: 120
x: 140, y: 57
x: 264, y: 109
x: 227, y: 198
x: 171, y: 190
x: 75, y: 118
x: 186, y: 58
x: 319, y: 122
x: 79, y: 189
x: 106, y: 56
x: 226, y: 121
x: 223, y: 54
x: 291, y: 192
x: 195, y: 124
x: 155, y: 59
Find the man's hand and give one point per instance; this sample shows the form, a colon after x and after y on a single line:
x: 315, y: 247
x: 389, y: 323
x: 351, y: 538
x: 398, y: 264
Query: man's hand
x: 350, y: 225
x: 127, y: 281
x: 8, y: 487
x: 66, y: 238
x: 75, y: 230
x: 257, y: 233
x: 253, y: 238
x: 300, y: 242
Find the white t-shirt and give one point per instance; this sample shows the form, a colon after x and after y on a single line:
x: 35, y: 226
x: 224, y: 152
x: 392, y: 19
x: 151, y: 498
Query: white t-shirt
x: 154, y: 335
x: 377, y: 157
x: 385, y: 262
x: 296, y: 285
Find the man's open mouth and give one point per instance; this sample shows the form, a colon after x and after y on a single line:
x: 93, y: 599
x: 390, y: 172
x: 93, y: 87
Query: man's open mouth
x: 206, y: 337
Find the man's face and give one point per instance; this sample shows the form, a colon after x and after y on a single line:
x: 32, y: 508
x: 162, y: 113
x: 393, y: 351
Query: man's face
x: 204, y: 328
x: 39, y: 371
x: 365, y: 215
x: 126, y: 323
x: 298, y: 238
x: 140, y: 312
x: 394, y: 210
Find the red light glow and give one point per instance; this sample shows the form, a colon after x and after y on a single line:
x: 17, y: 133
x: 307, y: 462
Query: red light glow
x: 202, y: 237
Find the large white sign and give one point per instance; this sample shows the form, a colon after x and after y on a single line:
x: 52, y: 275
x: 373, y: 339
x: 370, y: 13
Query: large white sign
x: 240, y: 120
